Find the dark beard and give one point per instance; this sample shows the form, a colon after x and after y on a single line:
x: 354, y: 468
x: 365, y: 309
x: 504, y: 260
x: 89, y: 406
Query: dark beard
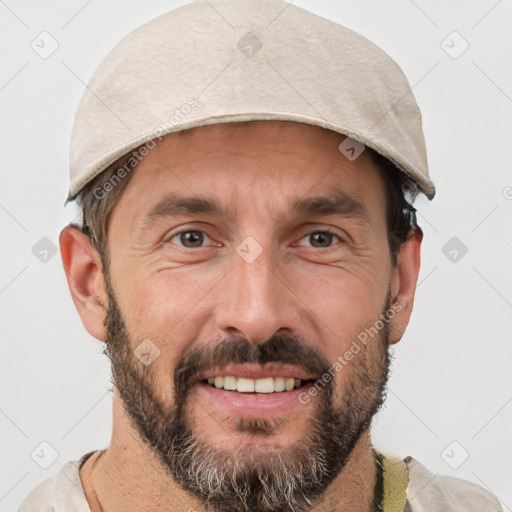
x: 254, y: 478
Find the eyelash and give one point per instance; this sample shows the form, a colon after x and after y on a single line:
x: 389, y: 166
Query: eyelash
x: 323, y: 231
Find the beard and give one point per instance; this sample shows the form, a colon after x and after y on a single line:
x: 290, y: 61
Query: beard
x: 257, y: 477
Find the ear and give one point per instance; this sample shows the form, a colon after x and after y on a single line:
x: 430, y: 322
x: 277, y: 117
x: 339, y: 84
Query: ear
x: 403, y: 284
x: 83, y: 268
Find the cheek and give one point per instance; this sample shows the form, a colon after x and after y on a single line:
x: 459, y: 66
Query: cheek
x: 150, y: 300
x: 345, y: 299
x: 167, y: 308
x: 347, y: 308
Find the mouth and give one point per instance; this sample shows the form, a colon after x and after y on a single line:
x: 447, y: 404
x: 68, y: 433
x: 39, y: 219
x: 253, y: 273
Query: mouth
x: 249, y: 390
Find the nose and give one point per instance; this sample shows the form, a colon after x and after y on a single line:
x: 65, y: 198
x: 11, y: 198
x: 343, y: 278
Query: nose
x: 257, y: 300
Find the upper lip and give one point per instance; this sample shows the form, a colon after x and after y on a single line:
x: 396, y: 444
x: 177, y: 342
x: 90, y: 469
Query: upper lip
x: 256, y: 371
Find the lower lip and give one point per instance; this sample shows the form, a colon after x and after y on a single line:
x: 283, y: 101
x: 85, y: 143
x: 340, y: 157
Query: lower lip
x: 253, y: 404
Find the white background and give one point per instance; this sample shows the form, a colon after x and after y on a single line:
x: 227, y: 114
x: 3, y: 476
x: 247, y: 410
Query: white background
x: 452, y: 372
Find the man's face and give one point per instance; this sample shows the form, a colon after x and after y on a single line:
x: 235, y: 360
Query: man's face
x: 270, y: 289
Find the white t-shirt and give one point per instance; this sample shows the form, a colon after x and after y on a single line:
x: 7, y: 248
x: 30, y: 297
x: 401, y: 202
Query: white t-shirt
x: 426, y: 492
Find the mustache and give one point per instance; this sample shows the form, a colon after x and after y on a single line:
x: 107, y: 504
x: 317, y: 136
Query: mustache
x: 280, y: 348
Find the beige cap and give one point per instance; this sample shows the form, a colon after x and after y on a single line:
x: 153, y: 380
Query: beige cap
x: 240, y: 60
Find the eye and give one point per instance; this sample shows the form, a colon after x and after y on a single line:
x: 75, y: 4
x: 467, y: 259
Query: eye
x: 321, y: 239
x: 190, y: 239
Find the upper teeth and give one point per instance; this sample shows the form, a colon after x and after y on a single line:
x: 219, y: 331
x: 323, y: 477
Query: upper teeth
x: 243, y: 385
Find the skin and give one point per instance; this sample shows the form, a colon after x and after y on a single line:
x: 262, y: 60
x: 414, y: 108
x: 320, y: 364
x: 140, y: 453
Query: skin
x: 175, y: 295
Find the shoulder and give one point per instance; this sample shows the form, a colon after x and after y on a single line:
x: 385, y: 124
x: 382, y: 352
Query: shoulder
x: 428, y: 491
x: 40, y: 498
x: 62, y: 492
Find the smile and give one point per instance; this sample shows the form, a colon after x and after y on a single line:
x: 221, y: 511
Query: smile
x: 250, y: 390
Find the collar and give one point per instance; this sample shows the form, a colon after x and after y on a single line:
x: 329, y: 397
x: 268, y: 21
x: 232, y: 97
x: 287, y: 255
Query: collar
x: 395, y: 480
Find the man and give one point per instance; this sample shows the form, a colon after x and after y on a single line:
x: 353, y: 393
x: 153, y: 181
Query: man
x: 248, y: 254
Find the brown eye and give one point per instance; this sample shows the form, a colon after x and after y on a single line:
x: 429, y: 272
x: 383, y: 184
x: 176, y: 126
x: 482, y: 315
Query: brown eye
x: 190, y: 239
x: 321, y: 239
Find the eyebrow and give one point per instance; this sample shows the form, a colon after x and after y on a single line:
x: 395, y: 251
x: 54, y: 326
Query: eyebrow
x: 335, y: 203
x: 175, y: 204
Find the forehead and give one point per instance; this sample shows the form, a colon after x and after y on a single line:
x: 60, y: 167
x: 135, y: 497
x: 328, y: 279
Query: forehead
x: 260, y: 166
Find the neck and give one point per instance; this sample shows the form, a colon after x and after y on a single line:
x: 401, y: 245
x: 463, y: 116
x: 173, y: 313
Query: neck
x: 127, y: 477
